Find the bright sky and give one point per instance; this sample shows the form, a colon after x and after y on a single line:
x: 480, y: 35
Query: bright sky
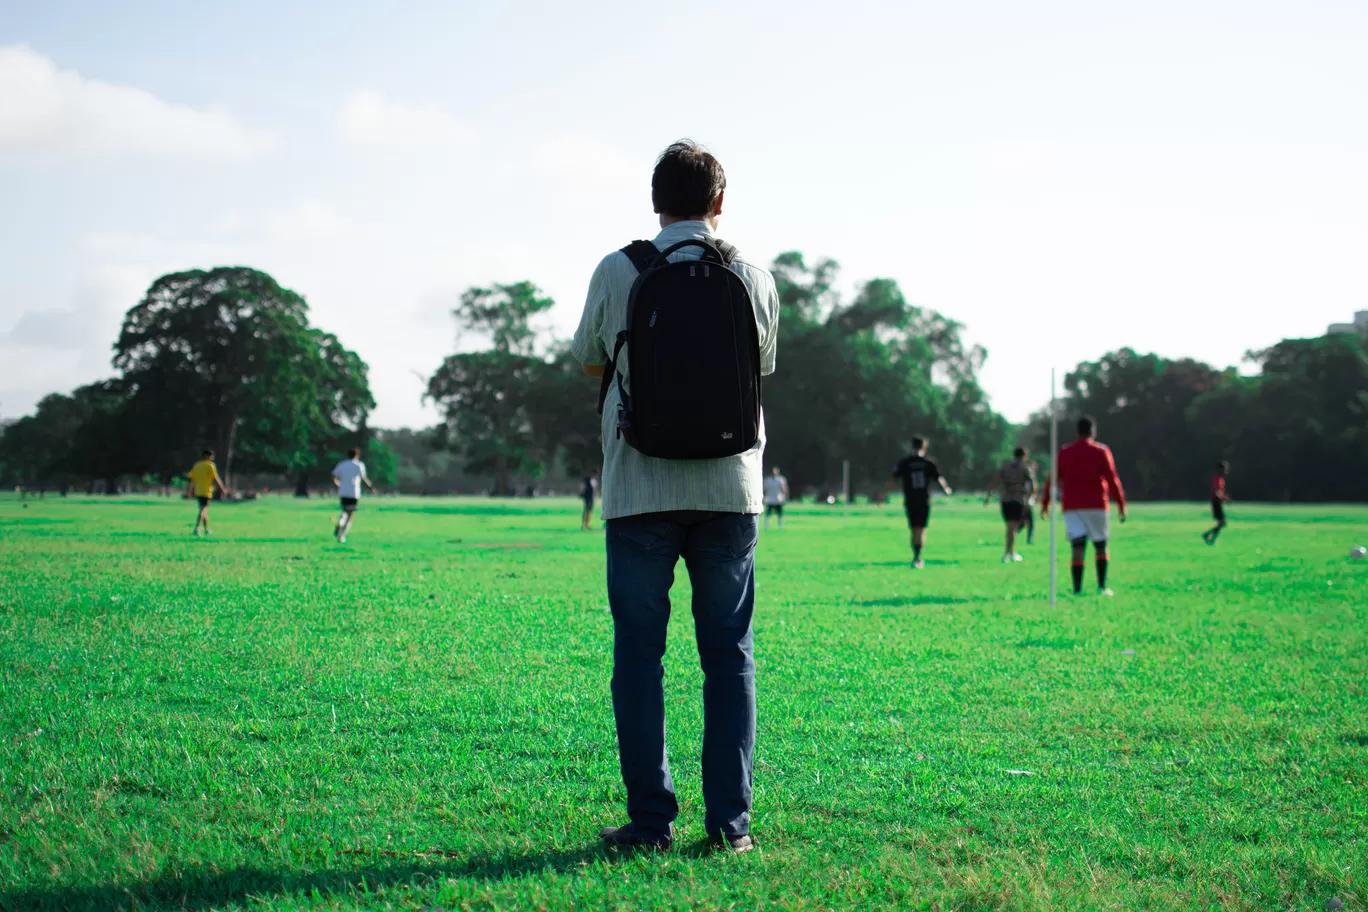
x: 1064, y: 178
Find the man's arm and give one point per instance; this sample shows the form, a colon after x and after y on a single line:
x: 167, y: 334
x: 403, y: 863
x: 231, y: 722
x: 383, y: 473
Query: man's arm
x: 337, y: 482
x: 222, y: 490
x: 1114, y: 486
x: 366, y: 479
x: 940, y: 480
x: 992, y: 485
x: 587, y: 344
x: 767, y: 324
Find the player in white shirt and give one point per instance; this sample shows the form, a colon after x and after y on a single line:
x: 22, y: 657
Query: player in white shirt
x: 348, y: 475
x: 776, y: 495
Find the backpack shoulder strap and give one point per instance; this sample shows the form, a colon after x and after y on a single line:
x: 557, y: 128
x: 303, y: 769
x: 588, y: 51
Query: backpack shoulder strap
x: 642, y: 254
x: 727, y: 250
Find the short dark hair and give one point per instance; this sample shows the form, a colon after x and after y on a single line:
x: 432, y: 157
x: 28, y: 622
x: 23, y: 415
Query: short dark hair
x: 1223, y: 466
x: 1086, y: 426
x: 687, y: 180
x: 1019, y: 453
x: 354, y: 452
x: 918, y: 442
x: 207, y: 454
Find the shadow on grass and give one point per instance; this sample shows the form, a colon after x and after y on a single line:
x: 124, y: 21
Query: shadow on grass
x: 1044, y: 642
x: 205, y: 888
x: 930, y: 562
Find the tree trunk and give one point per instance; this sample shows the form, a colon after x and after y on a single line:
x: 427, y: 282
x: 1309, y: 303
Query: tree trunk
x: 302, y: 485
x: 501, y: 480
x: 228, y: 450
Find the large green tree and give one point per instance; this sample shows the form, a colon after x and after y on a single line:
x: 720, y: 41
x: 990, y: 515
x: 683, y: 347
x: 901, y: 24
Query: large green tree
x: 857, y: 380
x: 1140, y: 403
x: 1297, y: 432
x: 488, y: 398
x: 226, y: 356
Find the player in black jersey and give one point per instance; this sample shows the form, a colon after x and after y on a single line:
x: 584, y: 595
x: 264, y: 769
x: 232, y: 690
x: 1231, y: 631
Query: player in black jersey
x: 917, y: 474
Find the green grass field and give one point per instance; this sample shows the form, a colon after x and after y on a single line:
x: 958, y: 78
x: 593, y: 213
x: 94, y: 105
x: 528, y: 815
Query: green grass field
x: 420, y: 718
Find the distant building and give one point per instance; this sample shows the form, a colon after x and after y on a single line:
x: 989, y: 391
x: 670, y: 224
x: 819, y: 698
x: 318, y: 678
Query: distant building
x: 1360, y: 325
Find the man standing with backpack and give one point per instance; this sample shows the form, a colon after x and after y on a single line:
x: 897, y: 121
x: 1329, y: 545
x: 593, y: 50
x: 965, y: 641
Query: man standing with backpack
x: 681, y: 328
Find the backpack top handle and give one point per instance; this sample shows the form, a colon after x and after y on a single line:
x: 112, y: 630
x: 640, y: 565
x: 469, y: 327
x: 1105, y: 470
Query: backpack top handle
x: 710, y: 251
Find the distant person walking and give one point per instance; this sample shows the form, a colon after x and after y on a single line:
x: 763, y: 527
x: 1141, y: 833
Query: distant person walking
x: 348, y: 476
x: 203, y: 477
x: 588, y: 488
x: 659, y: 509
x: 1086, y: 475
x: 917, y: 474
x: 1219, y: 498
x: 1018, y: 485
x: 776, y: 495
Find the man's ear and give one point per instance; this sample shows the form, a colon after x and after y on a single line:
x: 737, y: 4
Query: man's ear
x: 717, y: 206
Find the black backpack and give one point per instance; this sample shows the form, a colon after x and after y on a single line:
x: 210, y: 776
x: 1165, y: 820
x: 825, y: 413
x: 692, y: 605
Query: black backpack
x: 694, y: 356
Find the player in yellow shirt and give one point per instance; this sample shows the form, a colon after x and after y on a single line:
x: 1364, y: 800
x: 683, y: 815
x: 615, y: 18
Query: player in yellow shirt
x: 203, y: 476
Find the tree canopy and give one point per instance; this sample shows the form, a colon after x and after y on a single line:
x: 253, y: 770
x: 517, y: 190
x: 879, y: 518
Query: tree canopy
x: 222, y: 358
x: 857, y: 380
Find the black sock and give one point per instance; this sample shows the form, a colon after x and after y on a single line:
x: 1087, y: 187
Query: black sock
x: 916, y: 552
x: 1101, y: 573
x: 1077, y: 577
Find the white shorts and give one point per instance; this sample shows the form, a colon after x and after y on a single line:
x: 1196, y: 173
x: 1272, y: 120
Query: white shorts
x: 1091, y: 524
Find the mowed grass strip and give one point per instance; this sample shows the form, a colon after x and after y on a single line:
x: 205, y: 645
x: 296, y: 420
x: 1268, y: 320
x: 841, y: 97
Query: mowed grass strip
x: 421, y: 717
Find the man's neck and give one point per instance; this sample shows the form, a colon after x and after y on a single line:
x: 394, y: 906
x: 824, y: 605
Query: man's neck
x: 668, y: 220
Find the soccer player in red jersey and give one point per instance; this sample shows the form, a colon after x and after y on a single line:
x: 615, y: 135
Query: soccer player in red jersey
x: 1219, y: 498
x: 1086, y: 475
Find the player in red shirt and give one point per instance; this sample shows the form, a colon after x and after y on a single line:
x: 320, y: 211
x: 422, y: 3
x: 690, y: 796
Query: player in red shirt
x: 1219, y: 498
x: 1086, y: 475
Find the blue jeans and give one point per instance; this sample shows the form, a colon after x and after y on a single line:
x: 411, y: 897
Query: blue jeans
x: 719, y: 552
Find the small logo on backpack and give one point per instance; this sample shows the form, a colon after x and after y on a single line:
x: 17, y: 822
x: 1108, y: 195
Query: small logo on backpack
x: 727, y: 435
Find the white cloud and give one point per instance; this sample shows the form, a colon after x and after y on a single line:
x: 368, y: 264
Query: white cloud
x: 46, y: 109
x: 371, y: 119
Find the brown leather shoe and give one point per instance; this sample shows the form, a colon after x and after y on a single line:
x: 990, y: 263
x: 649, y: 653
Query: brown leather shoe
x: 732, y: 845
x: 631, y: 837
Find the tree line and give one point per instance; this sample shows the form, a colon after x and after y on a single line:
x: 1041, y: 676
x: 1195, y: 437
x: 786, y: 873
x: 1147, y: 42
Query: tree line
x: 1296, y: 431
x: 227, y: 358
